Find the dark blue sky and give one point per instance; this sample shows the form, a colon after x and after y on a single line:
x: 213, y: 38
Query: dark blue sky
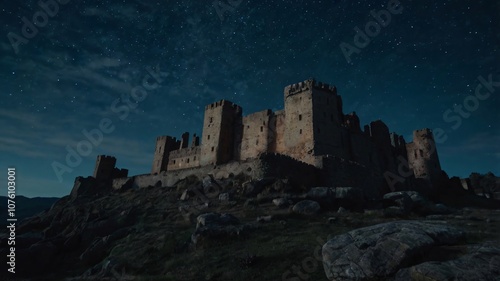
x: 88, y: 54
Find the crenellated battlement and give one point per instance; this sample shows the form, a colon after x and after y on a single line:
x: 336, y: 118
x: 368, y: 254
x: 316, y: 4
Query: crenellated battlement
x: 307, y: 85
x: 224, y: 103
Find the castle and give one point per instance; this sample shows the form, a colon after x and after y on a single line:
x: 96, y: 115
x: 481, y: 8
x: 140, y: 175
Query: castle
x: 311, y: 130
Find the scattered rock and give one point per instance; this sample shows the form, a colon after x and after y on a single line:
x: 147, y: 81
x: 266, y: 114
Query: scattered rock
x: 281, y: 202
x: 217, y: 226
x: 342, y: 210
x: 224, y: 197
x: 264, y: 218
x: 306, y: 207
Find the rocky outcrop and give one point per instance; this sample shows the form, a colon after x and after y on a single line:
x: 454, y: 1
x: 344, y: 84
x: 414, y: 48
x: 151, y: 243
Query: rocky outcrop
x: 482, y: 263
x: 380, y: 251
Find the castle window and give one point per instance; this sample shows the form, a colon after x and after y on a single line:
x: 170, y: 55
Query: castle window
x: 264, y: 123
x: 415, y: 153
x: 421, y: 153
x: 211, y: 119
x: 174, y: 161
x: 300, y: 132
x: 300, y: 117
x: 261, y: 128
x: 187, y: 160
x: 213, y: 148
x: 159, y: 148
x: 208, y: 137
x: 194, y: 158
x: 256, y: 142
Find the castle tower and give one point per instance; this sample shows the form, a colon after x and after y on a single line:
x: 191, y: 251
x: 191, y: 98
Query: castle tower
x: 217, y: 145
x: 313, y: 119
x: 104, y: 167
x: 422, y: 155
x: 164, y: 145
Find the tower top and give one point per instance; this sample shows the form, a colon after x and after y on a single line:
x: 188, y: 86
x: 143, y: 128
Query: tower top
x: 308, y: 84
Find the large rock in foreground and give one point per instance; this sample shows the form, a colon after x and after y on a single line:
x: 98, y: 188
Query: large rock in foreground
x: 380, y: 251
x: 482, y: 263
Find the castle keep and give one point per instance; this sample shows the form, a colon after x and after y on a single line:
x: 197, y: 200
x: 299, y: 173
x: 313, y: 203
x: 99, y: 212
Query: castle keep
x: 312, y: 128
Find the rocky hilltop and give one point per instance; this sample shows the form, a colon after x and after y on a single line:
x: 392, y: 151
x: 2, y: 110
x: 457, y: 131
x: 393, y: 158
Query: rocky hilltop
x: 242, y: 229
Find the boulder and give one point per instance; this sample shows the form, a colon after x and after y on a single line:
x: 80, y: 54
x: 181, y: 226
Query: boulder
x: 378, y: 252
x: 281, y: 202
x: 224, y: 197
x: 483, y: 263
x: 306, y: 207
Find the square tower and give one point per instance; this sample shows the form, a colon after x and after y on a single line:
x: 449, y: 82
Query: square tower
x: 313, y: 119
x: 104, y: 167
x: 164, y: 145
x: 219, y: 127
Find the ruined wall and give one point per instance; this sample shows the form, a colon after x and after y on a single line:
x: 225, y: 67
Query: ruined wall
x: 422, y: 155
x: 184, y: 158
x: 217, y: 144
x: 267, y: 165
x: 255, y: 139
x: 337, y: 171
x: 164, y: 144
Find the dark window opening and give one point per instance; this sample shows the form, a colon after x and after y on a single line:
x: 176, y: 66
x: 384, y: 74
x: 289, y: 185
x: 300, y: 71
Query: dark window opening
x: 300, y: 132
x: 421, y: 153
x: 211, y: 119
x: 194, y: 158
x: 174, y: 161
x: 256, y: 142
x: 213, y: 148
x: 208, y: 137
x: 187, y: 160
x: 300, y: 117
x: 261, y: 129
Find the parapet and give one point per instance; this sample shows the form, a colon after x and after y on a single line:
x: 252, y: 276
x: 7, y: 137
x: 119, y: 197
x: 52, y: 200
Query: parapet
x: 225, y: 104
x: 425, y: 133
x: 105, y: 158
x: 307, y: 85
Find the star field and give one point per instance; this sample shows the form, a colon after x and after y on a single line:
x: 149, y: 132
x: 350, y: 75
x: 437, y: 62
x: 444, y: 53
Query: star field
x: 89, y: 54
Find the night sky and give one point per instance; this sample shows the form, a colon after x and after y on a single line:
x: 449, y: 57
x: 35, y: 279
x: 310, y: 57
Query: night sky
x: 88, y: 58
